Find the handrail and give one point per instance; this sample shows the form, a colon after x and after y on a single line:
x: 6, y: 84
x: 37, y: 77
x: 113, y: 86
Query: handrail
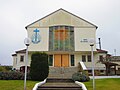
x: 81, y: 84
x: 38, y: 84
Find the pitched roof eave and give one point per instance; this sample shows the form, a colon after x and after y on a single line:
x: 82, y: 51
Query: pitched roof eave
x: 65, y: 11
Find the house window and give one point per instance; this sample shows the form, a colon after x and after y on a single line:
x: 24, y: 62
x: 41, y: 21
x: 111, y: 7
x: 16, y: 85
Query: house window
x: 89, y: 58
x: 101, y: 57
x: 90, y: 71
x: 102, y: 71
x: 16, y: 60
x: 50, y: 60
x: 72, y: 60
x: 83, y: 58
x: 22, y: 58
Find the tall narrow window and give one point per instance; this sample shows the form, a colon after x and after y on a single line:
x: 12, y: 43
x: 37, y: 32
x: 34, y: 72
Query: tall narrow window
x: 84, y: 58
x: 89, y: 58
x: 50, y: 60
x: 21, y: 58
x: 72, y: 60
x: 61, y: 38
x: 16, y: 60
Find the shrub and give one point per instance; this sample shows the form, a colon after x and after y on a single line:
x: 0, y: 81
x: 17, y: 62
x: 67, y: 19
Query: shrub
x: 79, y: 76
x: 39, y: 68
x: 5, y: 68
x: 12, y: 76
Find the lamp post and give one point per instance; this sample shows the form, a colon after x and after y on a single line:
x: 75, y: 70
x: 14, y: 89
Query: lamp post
x: 92, y: 42
x: 27, y: 43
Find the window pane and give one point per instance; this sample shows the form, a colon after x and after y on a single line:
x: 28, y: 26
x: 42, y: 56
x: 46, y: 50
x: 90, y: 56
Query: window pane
x: 101, y: 57
x: 72, y: 60
x: 61, y: 38
x: 21, y: 58
x: 89, y: 58
x: 50, y: 60
x: 83, y: 58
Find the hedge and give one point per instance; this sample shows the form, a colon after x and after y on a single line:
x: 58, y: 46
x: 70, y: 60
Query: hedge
x: 12, y: 75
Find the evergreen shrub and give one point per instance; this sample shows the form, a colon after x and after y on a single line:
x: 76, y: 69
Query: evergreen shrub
x: 39, y: 68
x: 81, y: 77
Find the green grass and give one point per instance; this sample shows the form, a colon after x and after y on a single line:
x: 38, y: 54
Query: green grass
x: 16, y: 84
x: 104, y: 84
x: 101, y: 84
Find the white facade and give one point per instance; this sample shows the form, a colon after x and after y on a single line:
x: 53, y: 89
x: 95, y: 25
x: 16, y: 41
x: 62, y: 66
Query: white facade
x: 82, y: 30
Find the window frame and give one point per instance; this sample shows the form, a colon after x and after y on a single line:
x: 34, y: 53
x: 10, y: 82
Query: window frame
x: 89, y: 58
x: 72, y: 60
x: 84, y: 58
x: 49, y: 60
x: 57, y: 43
x: 22, y: 58
x: 101, y: 57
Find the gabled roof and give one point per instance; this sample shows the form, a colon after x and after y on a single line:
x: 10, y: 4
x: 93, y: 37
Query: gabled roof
x: 64, y: 11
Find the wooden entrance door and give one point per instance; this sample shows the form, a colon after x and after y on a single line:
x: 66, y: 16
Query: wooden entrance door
x: 61, y: 60
x: 57, y: 60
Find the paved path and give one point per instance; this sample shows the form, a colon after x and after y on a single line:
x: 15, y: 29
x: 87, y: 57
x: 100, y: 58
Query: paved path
x: 102, y: 77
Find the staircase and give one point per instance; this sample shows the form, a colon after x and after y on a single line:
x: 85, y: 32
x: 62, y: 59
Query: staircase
x: 62, y: 72
x: 59, y: 84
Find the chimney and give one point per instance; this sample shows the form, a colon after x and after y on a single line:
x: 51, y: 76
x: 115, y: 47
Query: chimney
x: 99, y: 43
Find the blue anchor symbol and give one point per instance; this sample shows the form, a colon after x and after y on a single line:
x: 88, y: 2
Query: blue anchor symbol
x: 36, y: 37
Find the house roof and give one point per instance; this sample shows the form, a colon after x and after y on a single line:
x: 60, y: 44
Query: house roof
x: 14, y: 54
x: 101, y: 51
x: 64, y: 11
x: 21, y: 51
x: 110, y: 63
x: 115, y: 58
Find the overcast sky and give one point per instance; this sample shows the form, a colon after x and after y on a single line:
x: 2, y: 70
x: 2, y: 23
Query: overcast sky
x: 16, y: 14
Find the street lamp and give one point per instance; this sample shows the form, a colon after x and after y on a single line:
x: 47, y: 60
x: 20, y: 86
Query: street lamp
x: 92, y: 42
x: 27, y: 43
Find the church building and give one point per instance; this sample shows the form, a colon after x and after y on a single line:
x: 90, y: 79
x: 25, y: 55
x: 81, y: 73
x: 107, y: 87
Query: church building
x: 65, y: 38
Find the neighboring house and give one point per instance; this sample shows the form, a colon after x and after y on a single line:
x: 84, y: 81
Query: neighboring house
x: 19, y: 60
x: 115, y: 69
x: 65, y: 38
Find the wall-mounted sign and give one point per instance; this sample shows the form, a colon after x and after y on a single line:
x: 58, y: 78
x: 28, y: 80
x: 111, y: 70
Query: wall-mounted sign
x: 84, y: 40
x: 36, y: 38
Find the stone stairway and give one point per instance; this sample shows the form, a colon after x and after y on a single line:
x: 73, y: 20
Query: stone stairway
x: 59, y: 84
x: 62, y: 72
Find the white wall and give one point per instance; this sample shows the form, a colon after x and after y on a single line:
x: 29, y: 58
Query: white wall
x: 84, y: 33
x: 43, y: 44
x: 14, y: 61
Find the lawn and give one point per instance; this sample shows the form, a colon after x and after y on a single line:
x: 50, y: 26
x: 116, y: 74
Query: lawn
x: 16, y: 84
x: 104, y: 84
x: 101, y: 84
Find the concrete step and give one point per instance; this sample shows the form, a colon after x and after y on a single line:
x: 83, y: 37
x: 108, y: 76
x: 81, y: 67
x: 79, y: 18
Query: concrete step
x: 59, y: 84
x: 52, y: 80
x: 59, y: 88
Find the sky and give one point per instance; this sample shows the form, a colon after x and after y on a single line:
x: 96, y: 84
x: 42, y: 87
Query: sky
x: 16, y: 14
